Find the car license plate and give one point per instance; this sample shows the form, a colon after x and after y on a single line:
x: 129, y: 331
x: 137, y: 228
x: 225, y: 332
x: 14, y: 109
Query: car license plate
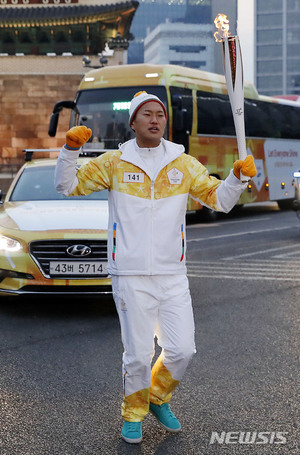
x: 94, y: 268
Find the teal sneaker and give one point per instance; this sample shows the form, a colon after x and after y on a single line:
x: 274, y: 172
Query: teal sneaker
x: 132, y: 432
x: 165, y: 417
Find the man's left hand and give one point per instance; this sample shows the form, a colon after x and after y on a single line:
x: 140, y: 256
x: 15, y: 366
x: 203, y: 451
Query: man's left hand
x: 246, y: 167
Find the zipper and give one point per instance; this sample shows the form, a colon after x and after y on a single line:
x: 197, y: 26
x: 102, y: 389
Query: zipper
x: 152, y: 191
x: 152, y: 227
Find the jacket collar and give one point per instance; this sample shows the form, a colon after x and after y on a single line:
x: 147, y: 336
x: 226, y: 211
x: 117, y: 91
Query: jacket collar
x: 131, y: 155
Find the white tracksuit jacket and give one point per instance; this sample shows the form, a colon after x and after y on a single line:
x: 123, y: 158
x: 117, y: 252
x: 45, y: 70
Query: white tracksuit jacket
x: 146, y: 229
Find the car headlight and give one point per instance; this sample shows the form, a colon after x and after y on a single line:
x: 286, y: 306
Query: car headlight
x: 9, y: 244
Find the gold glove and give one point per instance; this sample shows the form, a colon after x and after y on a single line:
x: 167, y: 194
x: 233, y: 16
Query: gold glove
x: 77, y: 136
x: 246, y: 167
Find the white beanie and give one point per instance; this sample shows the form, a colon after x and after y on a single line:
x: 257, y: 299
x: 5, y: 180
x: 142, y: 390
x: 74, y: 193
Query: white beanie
x: 139, y: 100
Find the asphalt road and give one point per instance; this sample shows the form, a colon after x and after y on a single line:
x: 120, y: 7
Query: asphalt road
x: 60, y: 361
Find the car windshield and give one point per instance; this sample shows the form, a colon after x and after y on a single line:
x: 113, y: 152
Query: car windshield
x: 106, y: 112
x: 37, y: 184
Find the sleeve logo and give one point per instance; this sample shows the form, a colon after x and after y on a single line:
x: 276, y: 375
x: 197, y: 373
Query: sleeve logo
x: 175, y: 176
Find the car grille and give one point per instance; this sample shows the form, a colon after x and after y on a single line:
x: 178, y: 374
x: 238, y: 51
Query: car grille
x: 56, y: 250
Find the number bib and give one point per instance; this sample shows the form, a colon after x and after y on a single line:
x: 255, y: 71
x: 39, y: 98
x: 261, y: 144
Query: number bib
x: 133, y: 177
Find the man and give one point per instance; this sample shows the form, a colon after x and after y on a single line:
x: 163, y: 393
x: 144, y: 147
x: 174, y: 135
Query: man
x: 149, y: 180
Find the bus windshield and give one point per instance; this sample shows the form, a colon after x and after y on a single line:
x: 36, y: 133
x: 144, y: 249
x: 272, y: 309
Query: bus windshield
x: 106, y: 112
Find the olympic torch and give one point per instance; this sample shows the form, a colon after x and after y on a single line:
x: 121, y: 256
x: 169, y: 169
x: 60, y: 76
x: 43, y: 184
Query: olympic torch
x: 233, y: 67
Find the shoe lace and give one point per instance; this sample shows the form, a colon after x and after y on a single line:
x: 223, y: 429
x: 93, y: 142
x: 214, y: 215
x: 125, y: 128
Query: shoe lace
x: 132, y: 427
x: 168, y: 410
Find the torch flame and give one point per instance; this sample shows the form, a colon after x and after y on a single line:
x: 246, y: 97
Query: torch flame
x: 222, y: 24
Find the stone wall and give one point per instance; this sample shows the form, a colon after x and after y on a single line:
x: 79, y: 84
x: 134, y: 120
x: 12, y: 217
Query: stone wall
x: 26, y: 103
x: 29, y: 88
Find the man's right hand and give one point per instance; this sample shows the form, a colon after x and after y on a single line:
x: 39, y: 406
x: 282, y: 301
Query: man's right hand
x: 77, y: 136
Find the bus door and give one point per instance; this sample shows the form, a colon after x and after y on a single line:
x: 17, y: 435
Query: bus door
x: 182, y: 107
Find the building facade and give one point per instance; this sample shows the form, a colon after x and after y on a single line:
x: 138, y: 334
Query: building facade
x: 154, y: 12
x: 77, y: 27
x: 151, y: 13
x: 42, y: 43
x: 177, y: 44
x: 277, y: 47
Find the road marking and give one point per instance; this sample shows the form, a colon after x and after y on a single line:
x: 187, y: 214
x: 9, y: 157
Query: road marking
x: 240, y: 266
x: 250, y: 270
x: 225, y: 223
x: 236, y: 234
x: 247, y: 263
x: 231, y: 277
x: 254, y: 253
x: 247, y: 220
x: 286, y: 255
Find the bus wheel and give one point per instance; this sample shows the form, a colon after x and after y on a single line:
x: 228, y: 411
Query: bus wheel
x: 285, y: 204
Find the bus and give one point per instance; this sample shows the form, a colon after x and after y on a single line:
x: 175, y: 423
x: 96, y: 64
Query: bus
x: 200, y: 118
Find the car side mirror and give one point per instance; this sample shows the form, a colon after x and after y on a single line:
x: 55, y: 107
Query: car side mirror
x: 53, y: 124
x: 55, y: 115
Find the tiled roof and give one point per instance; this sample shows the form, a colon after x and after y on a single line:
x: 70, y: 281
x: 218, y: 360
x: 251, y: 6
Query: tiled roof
x: 47, y: 14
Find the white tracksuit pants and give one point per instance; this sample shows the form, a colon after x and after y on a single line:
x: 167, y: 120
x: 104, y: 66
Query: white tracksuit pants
x: 149, y: 306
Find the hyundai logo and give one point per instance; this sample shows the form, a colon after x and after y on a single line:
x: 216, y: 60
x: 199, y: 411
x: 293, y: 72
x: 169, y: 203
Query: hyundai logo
x: 79, y: 250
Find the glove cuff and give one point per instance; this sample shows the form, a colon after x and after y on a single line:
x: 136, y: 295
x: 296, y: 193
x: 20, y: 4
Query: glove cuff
x: 71, y: 148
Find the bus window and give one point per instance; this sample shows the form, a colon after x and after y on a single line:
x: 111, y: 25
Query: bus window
x: 256, y: 119
x: 182, y: 100
x: 272, y: 120
x: 262, y: 119
x: 106, y: 112
x: 214, y: 114
x: 294, y: 119
x: 289, y: 125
